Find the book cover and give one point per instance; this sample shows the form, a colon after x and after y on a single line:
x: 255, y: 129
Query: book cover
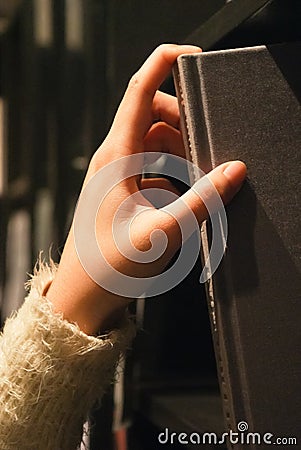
x: 245, y: 104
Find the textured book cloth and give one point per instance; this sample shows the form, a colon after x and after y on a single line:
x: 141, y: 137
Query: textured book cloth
x: 245, y: 104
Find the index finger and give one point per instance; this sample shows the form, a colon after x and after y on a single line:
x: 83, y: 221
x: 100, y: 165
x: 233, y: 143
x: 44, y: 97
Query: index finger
x: 134, y: 116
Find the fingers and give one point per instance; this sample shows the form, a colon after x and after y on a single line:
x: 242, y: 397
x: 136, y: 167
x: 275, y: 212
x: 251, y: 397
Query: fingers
x: 164, y: 138
x: 220, y: 185
x: 134, y: 116
x: 159, y: 183
x: 165, y: 109
x: 226, y: 179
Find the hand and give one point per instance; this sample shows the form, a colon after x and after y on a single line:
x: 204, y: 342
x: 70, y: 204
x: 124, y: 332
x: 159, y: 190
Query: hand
x: 147, y: 120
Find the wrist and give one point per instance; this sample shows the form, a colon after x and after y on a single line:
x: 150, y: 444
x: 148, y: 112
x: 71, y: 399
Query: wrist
x: 97, y: 314
x: 80, y: 300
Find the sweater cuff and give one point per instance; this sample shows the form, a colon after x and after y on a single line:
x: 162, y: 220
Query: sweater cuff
x: 51, y: 373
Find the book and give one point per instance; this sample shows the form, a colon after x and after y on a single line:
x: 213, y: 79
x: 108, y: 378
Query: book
x: 245, y: 104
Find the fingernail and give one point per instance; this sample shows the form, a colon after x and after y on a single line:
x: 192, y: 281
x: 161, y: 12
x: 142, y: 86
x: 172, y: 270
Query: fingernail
x: 235, y: 171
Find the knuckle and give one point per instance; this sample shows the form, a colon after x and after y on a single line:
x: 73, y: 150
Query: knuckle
x: 210, y: 193
x: 134, y: 81
x: 94, y: 164
x: 97, y: 161
x: 138, y: 85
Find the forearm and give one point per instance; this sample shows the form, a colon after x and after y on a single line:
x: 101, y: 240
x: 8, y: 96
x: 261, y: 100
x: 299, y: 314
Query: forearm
x: 80, y: 300
x: 51, y: 373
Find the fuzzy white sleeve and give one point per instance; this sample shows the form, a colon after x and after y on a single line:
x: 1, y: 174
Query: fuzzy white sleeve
x: 51, y: 373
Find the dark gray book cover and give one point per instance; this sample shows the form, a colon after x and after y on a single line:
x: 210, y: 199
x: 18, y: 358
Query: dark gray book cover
x: 245, y: 104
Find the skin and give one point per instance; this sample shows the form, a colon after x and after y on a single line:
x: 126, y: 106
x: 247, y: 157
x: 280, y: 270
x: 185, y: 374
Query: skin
x: 147, y: 120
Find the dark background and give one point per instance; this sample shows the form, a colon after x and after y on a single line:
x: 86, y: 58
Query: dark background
x: 64, y: 68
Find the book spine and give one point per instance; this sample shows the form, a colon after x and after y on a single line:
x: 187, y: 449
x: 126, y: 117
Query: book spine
x: 187, y: 78
x: 187, y: 84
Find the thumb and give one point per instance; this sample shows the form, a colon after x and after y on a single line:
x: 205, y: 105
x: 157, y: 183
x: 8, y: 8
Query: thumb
x: 213, y: 190
x: 221, y: 184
